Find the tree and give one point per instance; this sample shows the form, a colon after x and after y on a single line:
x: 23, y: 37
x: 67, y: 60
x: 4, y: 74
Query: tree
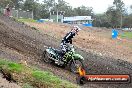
x: 101, y: 20
x: 84, y: 11
x: 12, y: 3
x: 29, y: 5
x: 16, y: 3
x: 49, y: 4
x: 32, y: 5
x: 113, y: 16
x: 64, y: 7
x: 3, y: 3
x: 43, y: 12
x: 127, y: 21
x: 69, y: 11
x: 116, y: 13
x: 119, y: 6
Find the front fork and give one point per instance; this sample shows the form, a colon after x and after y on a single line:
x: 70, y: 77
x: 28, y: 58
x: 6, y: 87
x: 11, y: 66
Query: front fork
x: 75, y: 64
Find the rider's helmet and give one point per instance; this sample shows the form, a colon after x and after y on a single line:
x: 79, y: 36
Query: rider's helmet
x: 76, y: 29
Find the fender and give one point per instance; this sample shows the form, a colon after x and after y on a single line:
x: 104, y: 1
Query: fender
x: 78, y: 56
x: 50, y: 51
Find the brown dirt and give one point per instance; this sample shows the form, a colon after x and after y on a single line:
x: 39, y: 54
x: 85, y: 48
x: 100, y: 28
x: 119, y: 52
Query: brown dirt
x: 6, y: 84
x: 92, y: 39
x: 20, y: 42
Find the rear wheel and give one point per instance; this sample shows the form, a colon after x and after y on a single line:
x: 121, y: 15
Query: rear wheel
x: 75, y: 64
x: 46, y: 57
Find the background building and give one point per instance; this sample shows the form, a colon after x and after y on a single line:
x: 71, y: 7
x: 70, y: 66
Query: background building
x: 84, y: 20
x: 54, y: 18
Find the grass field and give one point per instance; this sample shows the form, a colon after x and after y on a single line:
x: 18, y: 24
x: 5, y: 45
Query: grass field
x: 127, y: 35
x: 26, y: 20
x: 33, y: 77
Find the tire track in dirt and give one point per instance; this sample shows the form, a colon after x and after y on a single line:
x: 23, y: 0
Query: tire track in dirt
x: 31, y: 43
x: 31, y: 47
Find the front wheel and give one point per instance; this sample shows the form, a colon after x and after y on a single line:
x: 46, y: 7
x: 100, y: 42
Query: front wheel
x: 81, y: 80
x: 75, y: 64
x: 46, y: 57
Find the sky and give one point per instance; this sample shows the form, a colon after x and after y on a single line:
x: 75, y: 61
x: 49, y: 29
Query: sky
x: 99, y: 6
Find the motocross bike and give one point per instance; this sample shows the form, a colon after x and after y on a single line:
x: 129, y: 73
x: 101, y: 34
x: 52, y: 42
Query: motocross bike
x: 70, y: 59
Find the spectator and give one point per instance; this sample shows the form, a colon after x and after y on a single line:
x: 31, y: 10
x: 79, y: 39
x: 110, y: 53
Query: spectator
x: 7, y: 12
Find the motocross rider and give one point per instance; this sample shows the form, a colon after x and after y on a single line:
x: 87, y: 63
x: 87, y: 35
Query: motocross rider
x: 68, y: 39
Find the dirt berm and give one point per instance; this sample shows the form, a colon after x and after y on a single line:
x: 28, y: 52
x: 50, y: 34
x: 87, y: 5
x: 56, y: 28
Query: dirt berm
x: 19, y: 41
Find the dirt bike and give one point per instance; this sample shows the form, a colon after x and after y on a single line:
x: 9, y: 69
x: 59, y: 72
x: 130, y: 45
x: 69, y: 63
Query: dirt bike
x: 70, y: 59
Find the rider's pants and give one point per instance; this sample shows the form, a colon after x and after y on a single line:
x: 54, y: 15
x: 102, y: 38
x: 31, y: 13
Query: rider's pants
x: 63, y: 48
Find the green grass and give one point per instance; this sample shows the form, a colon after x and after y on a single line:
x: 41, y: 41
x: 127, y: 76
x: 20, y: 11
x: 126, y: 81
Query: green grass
x: 12, y: 66
x: 46, y: 77
x: 127, y: 35
x: 33, y: 77
x: 15, y: 67
x: 26, y: 20
x: 26, y: 85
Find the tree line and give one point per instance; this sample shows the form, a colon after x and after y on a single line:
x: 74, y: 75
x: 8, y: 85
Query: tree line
x: 116, y: 15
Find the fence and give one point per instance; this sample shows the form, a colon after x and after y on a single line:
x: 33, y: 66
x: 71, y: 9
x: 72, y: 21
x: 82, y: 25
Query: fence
x: 19, y: 13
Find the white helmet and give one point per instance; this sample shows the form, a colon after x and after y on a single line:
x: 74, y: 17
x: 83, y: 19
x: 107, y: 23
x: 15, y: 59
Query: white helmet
x: 77, y: 28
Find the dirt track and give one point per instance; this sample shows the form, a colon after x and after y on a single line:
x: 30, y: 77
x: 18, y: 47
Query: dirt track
x: 96, y: 40
x: 19, y: 41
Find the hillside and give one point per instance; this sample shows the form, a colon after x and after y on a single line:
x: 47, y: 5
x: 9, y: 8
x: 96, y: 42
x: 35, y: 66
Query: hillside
x: 95, y: 40
x: 21, y: 42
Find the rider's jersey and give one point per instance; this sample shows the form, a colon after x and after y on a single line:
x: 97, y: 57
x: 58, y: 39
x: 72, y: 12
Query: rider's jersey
x: 68, y: 38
